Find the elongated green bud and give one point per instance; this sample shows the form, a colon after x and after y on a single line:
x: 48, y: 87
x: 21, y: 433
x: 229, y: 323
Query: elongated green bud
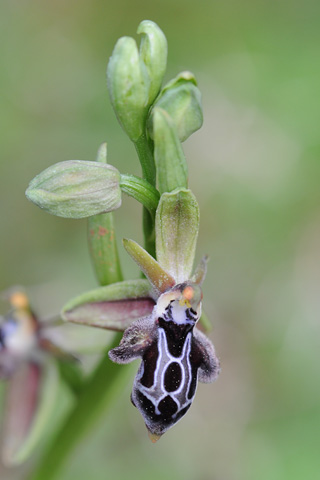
x: 76, y: 189
x: 171, y: 164
x: 181, y: 99
x: 153, y: 53
x: 128, y: 85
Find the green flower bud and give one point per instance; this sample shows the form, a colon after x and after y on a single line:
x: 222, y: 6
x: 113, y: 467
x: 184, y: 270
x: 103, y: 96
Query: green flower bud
x: 76, y: 189
x: 153, y: 52
x: 170, y: 161
x: 181, y: 99
x: 128, y: 85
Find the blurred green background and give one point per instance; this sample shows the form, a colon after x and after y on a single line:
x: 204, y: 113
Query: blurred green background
x: 254, y: 167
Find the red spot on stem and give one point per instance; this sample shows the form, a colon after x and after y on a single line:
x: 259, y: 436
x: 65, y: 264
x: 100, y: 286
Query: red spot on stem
x: 102, y: 231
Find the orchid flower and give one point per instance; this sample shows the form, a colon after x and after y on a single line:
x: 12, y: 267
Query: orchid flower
x: 159, y: 316
x: 32, y: 378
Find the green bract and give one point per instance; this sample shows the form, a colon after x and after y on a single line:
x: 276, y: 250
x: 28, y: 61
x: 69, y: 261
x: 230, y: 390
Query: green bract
x: 181, y: 98
x: 171, y: 164
x: 102, y: 240
x: 76, y: 189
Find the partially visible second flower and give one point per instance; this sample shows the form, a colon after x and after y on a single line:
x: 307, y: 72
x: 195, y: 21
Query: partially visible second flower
x: 32, y: 378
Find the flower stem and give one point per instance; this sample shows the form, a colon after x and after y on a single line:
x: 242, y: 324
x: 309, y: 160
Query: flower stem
x: 101, y: 387
x: 144, y: 150
x: 96, y: 396
x: 141, y: 190
x: 145, y: 154
x: 103, y: 248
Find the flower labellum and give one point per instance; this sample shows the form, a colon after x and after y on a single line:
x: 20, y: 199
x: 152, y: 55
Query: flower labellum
x: 175, y: 355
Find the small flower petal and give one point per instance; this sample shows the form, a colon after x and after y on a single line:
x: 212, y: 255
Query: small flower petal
x: 200, y: 271
x: 30, y: 399
x: 157, y: 276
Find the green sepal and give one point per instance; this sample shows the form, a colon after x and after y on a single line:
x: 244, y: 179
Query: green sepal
x: 36, y: 386
x: 112, y: 307
x: 181, y: 99
x: 128, y: 86
x: 153, y: 52
x: 102, y: 240
x: 177, y: 226
x: 158, y: 277
x: 170, y: 161
x: 76, y: 189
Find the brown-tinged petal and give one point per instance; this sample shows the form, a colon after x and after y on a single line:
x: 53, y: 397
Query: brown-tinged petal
x: 113, y: 307
x: 30, y: 399
x: 157, y: 276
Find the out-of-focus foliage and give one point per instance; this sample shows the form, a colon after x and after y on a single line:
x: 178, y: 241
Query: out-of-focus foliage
x: 254, y: 167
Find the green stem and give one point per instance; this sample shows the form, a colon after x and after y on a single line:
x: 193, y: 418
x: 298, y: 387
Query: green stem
x: 100, y: 389
x: 103, y: 248
x: 97, y: 395
x: 148, y: 222
x: 141, y: 190
x: 145, y: 153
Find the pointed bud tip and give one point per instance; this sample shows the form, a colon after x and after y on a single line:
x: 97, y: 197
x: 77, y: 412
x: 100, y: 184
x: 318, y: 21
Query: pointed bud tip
x: 153, y: 436
x: 187, y: 76
x: 102, y: 153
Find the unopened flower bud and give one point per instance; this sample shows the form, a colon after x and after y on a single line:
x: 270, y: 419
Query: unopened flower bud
x: 76, y: 189
x: 128, y: 85
x: 181, y: 99
x: 153, y: 52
